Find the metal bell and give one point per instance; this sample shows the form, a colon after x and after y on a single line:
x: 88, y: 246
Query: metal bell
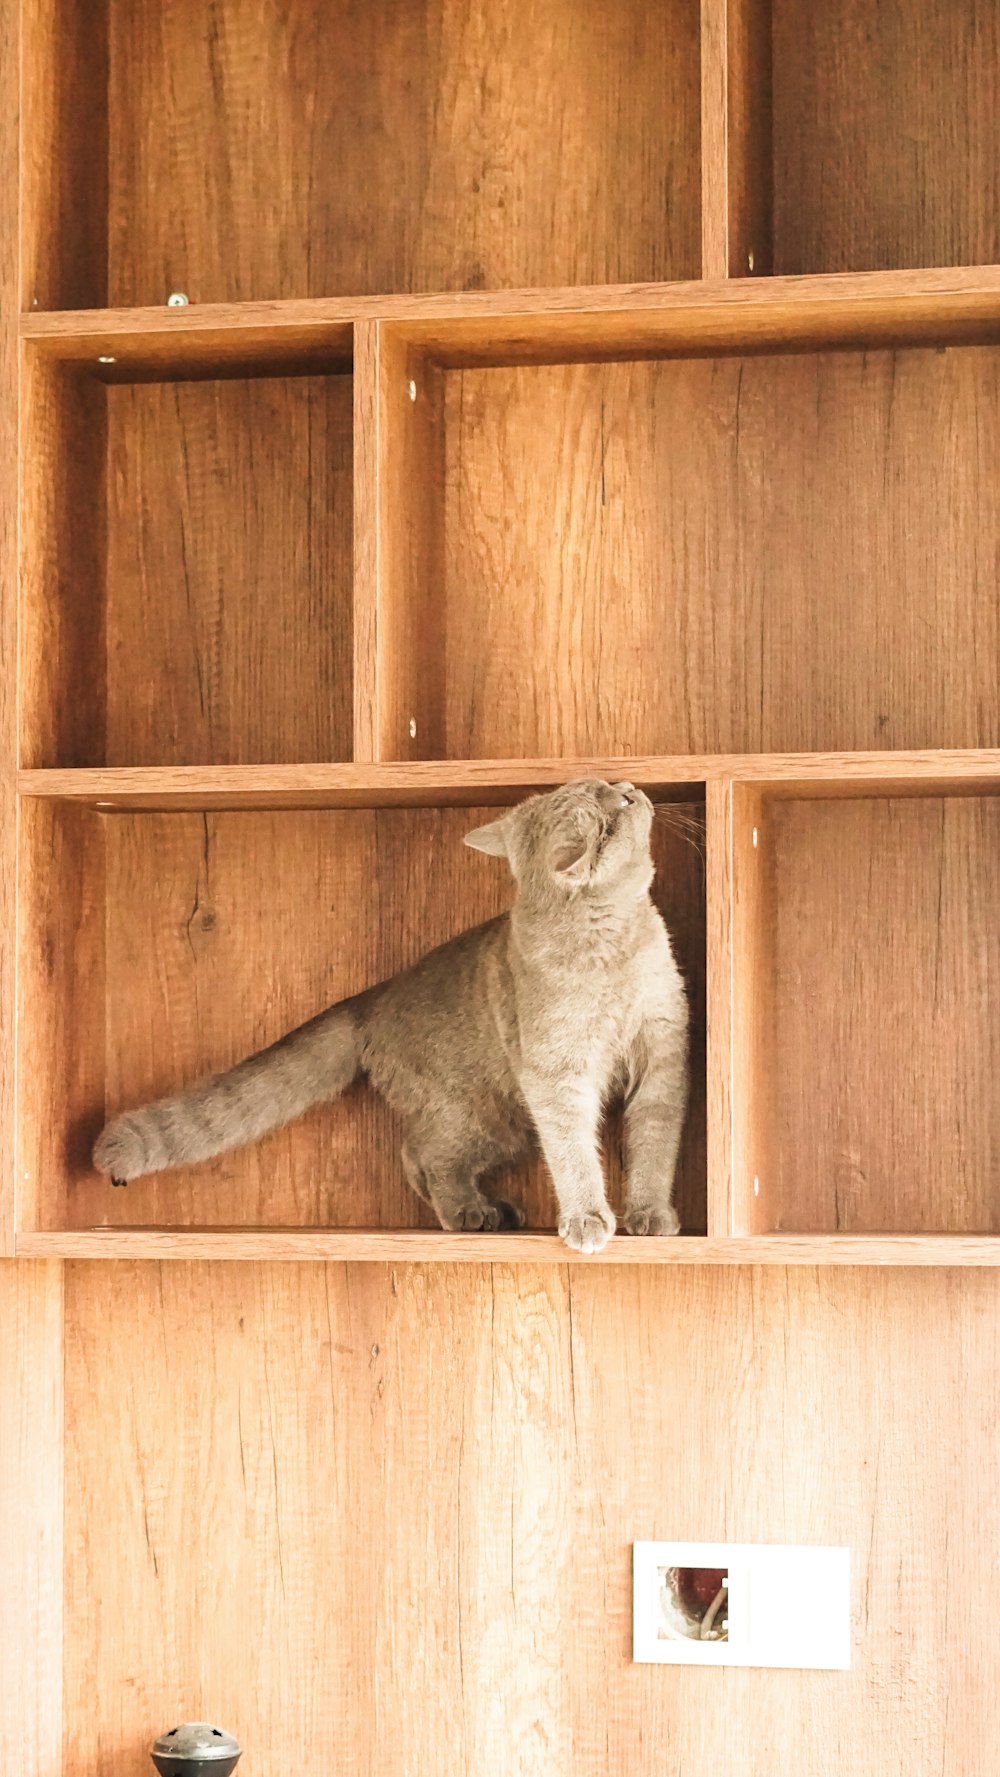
x: 196, y: 1749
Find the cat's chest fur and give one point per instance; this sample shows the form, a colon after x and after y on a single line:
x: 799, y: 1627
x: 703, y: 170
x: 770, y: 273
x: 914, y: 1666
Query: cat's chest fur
x: 579, y: 994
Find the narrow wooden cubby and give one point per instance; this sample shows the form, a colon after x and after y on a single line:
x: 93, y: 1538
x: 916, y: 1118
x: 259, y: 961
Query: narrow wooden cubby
x: 357, y: 147
x: 866, y: 993
x: 159, y: 947
x: 852, y: 136
x: 727, y: 554
x: 186, y: 592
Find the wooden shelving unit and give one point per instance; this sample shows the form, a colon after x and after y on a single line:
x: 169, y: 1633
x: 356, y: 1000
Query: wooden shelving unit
x: 562, y: 388
x: 228, y: 630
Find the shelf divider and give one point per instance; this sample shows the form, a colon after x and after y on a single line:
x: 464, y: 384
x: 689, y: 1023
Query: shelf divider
x: 420, y: 1246
x: 430, y: 783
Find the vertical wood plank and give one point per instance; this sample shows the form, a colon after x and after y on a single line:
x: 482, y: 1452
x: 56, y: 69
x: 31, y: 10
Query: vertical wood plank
x: 408, y: 476
x: 750, y: 1012
x: 719, y: 991
x: 31, y: 1518
x: 714, y: 140
x: 366, y: 540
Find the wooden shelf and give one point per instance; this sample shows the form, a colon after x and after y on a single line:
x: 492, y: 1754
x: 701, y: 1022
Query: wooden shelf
x: 936, y: 306
x: 477, y: 782
x: 395, y: 1246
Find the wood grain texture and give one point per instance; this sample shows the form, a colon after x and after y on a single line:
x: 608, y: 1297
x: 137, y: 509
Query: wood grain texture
x: 736, y: 198
x: 229, y: 572
x: 424, y: 1246
x: 246, y: 1447
x: 886, y: 134
x: 749, y: 240
x: 60, y: 1006
x: 719, y: 996
x: 223, y: 931
x: 274, y: 150
x: 31, y: 1518
x: 886, y: 984
x: 943, y: 304
x: 62, y: 635
x: 398, y: 566
x: 471, y: 783
x: 714, y: 140
x: 64, y: 141
x: 9, y: 442
x: 637, y: 558
x: 753, y: 1061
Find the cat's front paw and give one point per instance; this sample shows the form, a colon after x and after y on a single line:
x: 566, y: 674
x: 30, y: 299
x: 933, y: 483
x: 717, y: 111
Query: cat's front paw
x: 589, y: 1230
x: 642, y: 1219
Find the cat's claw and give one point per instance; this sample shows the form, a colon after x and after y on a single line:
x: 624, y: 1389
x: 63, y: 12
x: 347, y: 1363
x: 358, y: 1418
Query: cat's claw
x: 643, y: 1220
x: 588, y: 1232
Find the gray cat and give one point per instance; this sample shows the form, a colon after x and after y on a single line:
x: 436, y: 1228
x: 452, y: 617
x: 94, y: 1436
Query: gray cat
x: 518, y: 1030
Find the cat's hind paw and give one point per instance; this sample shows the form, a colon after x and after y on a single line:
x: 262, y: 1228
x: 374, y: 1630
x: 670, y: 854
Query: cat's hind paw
x: 588, y: 1231
x: 641, y: 1219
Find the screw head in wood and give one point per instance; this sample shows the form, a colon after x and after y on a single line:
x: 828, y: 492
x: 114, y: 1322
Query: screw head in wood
x: 412, y: 389
x: 106, y: 358
x: 177, y: 300
x: 413, y: 727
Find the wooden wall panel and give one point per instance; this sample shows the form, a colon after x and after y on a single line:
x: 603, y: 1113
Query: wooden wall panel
x: 60, y: 1008
x: 886, y: 1008
x: 751, y: 554
x: 9, y: 416
x: 229, y: 572
x: 274, y: 149
x: 31, y: 1518
x: 62, y: 640
x: 386, y: 1516
x: 886, y: 134
x: 223, y: 931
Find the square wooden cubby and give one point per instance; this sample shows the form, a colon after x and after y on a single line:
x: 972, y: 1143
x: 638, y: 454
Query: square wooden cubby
x: 867, y: 1013
x: 187, y: 567
x: 739, y: 554
x: 268, y: 151
x: 156, y: 948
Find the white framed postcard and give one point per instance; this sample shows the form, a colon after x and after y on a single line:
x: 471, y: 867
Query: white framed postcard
x: 741, y: 1604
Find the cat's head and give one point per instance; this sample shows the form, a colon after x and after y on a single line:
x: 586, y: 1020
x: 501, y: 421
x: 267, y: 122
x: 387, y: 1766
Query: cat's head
x: 587, y: 836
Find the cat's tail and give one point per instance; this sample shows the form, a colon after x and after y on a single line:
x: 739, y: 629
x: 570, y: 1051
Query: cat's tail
x: 309, y: 1065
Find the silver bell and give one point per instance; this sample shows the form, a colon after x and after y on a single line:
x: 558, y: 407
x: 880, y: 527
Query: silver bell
x: 196, y: 1749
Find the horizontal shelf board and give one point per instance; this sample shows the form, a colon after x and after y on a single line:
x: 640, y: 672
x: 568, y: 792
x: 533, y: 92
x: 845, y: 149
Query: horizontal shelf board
x: 958, y: 304
x: 419, y: 1246
x: 473, y: 783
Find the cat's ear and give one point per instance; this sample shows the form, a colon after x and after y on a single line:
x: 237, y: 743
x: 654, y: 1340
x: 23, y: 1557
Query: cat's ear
x: 492, y: 838
x: 570, y: 857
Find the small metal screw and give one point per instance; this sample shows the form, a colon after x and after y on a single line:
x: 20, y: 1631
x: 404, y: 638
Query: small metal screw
x: 413, y: 727
x: 34, y: 302
x: 750, y: 260
x: 105, y: 358
x: 177, y: 300
x: 412, y: 387
x: 756, y: 1186
x: 104, y: 805
x: 754, y: 837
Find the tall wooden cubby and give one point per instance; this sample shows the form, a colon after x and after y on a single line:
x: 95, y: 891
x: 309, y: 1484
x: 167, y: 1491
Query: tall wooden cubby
x: 559, y: 388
